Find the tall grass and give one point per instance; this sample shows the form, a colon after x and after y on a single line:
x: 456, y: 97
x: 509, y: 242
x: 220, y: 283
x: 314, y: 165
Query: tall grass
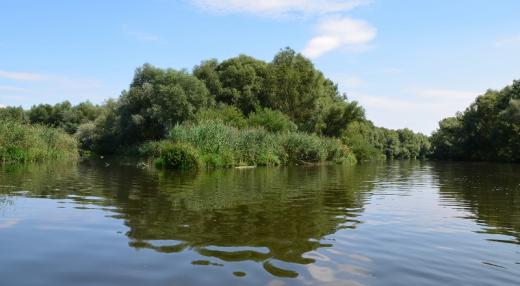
x: 21, y: 142
x: 220, y: 145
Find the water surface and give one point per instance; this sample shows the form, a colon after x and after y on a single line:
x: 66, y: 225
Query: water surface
x: 400, y: 223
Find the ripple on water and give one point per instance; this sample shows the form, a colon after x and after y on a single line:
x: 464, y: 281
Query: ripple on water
x: 395, y: 223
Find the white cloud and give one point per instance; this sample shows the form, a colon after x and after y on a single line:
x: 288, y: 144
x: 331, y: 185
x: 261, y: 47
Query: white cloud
x: 38, y: 77
x: 507, y: 41
x: 37, y: 88
x: 279, y: 7
x: 420, y: 110
x: 13, y: 89
x: 348, y: 82
x: 444, y: 94
x: 340, y: 32
x: 22, y: 76
x: 2, y: 106
x: 354, y: 82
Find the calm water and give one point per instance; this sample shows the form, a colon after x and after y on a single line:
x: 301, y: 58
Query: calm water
x: 403, y: 223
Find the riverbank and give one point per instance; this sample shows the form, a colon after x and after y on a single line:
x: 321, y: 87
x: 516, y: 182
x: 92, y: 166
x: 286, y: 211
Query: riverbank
x: 214, y: 144
x: 23, y: 143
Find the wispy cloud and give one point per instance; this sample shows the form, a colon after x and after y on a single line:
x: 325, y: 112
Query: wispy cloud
x: 13, y: 89
x: 391, y: 71
x: 419, y: 109
x: 39, y: 77
x: 340, y: 32
x: 23, y: 87
x: 22, y: 76
x: 443, y: 94
x: 332, y: 32
x: 140, y: 35
x: 348, y: 81
x: 275, y: 8
x: 509, y: 41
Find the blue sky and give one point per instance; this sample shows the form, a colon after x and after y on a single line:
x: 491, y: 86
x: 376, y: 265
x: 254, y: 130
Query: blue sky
x: 409, y: 63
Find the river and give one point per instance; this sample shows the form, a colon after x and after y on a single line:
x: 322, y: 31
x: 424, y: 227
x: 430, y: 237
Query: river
x: 394, y: 223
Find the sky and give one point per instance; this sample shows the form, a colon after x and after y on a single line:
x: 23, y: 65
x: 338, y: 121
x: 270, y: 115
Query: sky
x: 409, y: 63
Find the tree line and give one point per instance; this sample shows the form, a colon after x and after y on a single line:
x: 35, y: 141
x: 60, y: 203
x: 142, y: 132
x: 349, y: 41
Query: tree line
x: 488, y: 130
x: 286, y: 94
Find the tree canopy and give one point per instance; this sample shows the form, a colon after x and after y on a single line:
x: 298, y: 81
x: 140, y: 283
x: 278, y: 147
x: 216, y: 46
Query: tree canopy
x: 489, y: 129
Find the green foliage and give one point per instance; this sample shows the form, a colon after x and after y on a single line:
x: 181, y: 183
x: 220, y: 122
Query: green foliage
x: 237, y: 81
x: 489, y: 129
x: 375, y: 143
x: 86, y: 136
x: 13, y: 114
x: 177, y: 156
x: 31, y: 143
x: 64, y: 115
x: 296, y: 88
x: 225, y: 113
x: 365, y: 141
x: 271, y: 120
x: 221, y: 145
x: 302, y: 148
x: 156, y: 101
x: 241, y: 111
x: 339, y: 115
x: 289, y: 83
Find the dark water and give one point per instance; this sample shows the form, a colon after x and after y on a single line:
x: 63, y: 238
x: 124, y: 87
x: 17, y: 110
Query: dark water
x: 403, y: 223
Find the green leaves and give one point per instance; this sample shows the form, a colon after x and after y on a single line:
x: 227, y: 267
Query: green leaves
x: 488, y: 130
x: 156, y: 101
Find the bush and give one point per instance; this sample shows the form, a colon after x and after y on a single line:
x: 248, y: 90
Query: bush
x: 177, y: 156
x: 86, y: 135
x: 271, y: 120
x: 31, y: 143
x: 10, y: 113
x: 339, y: 152
x: 221, y: 145
x: 229, y: 115
x: 303, y: 148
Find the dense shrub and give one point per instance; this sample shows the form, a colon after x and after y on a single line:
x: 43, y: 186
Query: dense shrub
x: 489, y: 129
x: 64, y: 115
x: 303, y: 148
x: 86, y: 135
x: 230, y: 115
x: 177, y: 156
x: 221, y: 145
x: 30, y: 143
x: 369, y: 142
x: 13, y: 114
x: 271, y: 120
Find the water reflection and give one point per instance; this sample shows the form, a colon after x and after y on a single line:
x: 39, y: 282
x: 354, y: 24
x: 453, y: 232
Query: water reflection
x: 490, y: 192
x: 395, y: 223
x: 271, y: 216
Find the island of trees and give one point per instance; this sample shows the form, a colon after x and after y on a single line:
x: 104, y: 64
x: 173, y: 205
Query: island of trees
x: 248, y: 112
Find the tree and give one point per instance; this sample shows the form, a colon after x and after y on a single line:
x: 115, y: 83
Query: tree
x: 237, y: 81
x: 63, y: 115
x: 296, y: 88
x: 339, y: 115
x: 157, y: 100
x: 11, y: 113
x: 489, y: 129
